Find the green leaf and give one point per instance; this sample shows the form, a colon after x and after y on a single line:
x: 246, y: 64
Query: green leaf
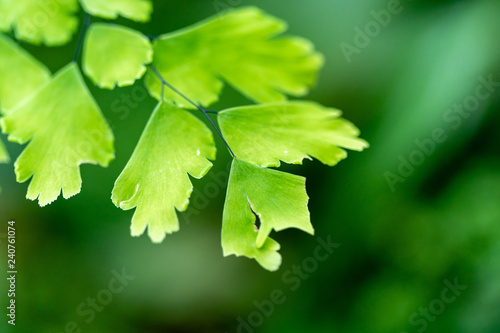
x: 21, y: 74
x: 155, y: 180
x: 115, y: 55
x: 137, y: 10
x: 51, y: 22
x: 279, y: 200
x: 66, y: 129
x: 290, y: 132
x: 244, y: 48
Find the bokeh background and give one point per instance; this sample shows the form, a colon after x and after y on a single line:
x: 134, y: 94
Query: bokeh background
x: 400, y: 246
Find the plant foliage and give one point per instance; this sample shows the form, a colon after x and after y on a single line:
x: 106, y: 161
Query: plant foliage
x: 137, y: 10
x: 76, y: 133
x: 115, y: 55
x: 51, y: 22
x: 244, y: 48
x: 155, y: 179
x: 266, y: 134
x: 20, y: 74
x: 276, y: 199
x: 63, y: 126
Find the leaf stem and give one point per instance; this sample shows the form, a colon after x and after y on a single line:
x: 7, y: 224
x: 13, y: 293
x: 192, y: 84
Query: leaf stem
x: 165, y: 83
x: 86, y: 24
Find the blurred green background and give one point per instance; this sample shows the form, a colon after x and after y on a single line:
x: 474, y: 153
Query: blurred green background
x: 402, y: 241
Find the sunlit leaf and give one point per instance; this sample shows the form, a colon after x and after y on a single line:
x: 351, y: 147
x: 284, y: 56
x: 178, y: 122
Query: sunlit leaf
x: 51, y: 22
x: 137, y: 10
x: 290, y: 132
x: 155, y: 181
x: 278, y: 199
x: 66, y: 129
x: 20, y: 73
x: 115, y: 55
x: 243, y: 47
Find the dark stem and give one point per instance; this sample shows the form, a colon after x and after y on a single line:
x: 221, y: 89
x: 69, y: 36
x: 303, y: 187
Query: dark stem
x: 165, y: 83
x: 86, y: 23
